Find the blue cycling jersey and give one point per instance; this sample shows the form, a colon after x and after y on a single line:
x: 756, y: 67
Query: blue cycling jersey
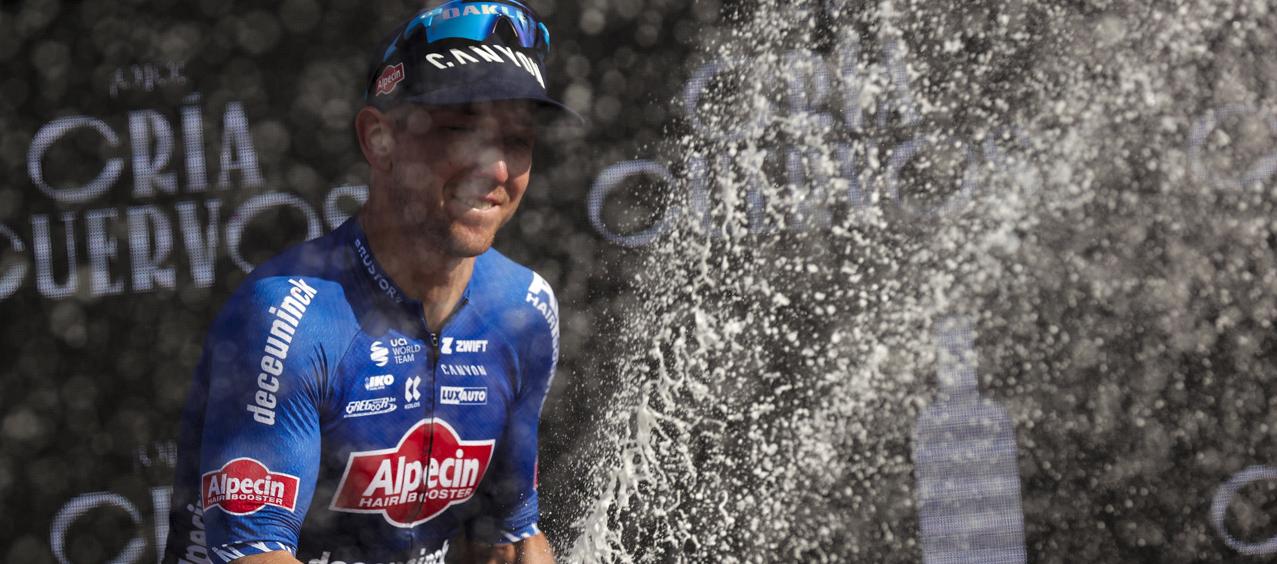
x: 326, y: 419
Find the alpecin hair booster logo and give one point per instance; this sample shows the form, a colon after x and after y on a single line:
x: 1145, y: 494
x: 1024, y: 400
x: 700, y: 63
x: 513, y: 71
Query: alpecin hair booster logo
x: 389, y: 79
x: 245, y: 485
x: 408, y: 488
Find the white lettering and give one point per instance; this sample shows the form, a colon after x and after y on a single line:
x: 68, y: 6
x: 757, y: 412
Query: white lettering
x: 265, y: 382
x: 50, y: 134
x: 103, y: 249
x: 201, y: 248
x: 44, y: 280
x: 485, y: 51
x: 13, y: 278
x: 508, y: 52
x: 237, y: 149
x: 531, y: 67
x: 258, y: 204
x: 470, y: 472
x: 382, y: 480
x: 462, y: 57
x: 147, y: 127
x: 150, y: 242
x: 193, y: 141
x: 434, y: 59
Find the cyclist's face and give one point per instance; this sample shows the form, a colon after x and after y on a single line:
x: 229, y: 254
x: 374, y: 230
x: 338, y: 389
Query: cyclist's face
x: 459, y: 172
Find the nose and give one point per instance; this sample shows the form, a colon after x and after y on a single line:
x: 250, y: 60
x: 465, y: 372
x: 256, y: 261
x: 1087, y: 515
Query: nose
x: 483, y: 155
x: 491, y: 161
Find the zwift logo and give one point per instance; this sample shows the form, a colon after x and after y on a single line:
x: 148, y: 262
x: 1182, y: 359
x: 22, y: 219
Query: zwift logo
x: 451, y: 345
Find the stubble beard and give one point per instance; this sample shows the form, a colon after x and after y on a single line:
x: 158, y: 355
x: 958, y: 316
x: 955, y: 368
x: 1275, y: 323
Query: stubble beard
x: 428, y: 232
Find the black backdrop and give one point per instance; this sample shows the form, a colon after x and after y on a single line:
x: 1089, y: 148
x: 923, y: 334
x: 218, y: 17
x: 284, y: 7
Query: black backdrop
x: 151, y: 152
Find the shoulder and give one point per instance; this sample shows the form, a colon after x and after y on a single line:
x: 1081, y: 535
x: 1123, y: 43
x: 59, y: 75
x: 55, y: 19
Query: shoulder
x: 317, y: 257
x: 519, y: 300
x: 298, y: 293
x: 293, y: 308
x: 304, y: 277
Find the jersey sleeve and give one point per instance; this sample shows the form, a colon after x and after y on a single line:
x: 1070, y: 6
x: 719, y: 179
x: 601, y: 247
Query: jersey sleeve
x: 266, y: 362
x: 511, y: 488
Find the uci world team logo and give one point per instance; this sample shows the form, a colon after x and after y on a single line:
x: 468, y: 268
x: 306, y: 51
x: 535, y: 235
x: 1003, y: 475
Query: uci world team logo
x: 408, y: 488
x: 378, y: 353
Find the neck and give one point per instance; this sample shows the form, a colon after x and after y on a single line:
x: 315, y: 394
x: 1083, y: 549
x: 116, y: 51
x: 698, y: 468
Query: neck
x: 423, y: 272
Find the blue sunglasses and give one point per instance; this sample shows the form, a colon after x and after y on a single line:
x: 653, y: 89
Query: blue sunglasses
x: 477, y: 21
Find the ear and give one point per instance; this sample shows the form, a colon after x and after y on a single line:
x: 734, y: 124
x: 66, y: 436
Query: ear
x: 376, y: 137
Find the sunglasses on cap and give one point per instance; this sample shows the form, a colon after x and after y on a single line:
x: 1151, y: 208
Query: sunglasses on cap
x: 476, y: 21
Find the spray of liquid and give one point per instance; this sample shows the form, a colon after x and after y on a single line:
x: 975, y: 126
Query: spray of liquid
x: 855, y: 174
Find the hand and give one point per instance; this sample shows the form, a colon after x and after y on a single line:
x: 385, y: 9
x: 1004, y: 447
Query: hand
x: 532, y: 550
x: 276, y: 557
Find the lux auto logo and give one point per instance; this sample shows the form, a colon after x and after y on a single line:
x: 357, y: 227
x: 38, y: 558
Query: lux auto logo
x: 408, y: 488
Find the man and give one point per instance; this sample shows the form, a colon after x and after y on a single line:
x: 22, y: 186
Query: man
x: 373, y: 395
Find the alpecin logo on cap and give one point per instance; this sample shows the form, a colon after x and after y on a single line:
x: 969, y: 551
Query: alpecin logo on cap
x: 389, y: 79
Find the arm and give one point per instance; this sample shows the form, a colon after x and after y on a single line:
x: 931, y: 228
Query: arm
x: 508, y: 530
x: 261, y: 440
x: 277, y: 557
x: 532, y: 550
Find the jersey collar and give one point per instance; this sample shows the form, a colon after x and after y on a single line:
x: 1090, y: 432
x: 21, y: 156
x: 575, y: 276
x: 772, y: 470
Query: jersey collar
x: 373, y: 283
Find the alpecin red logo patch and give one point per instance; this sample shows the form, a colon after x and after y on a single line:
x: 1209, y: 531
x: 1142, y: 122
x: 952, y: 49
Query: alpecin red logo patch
x: 389, y: 79
x: 406, y: 487
x: 244, y: 485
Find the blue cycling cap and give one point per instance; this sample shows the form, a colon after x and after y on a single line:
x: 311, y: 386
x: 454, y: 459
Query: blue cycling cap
x: 465, y: 51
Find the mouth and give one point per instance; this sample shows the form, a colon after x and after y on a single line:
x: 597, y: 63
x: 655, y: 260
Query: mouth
x: 474, y: 195
x: 470, y: 202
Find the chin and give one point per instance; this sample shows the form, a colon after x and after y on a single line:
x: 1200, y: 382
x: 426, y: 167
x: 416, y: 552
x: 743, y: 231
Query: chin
x: 465, y: 247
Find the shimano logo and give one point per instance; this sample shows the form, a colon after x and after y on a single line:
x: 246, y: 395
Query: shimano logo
x: 380, y: 382
x: 375, y: 406
x: 453, y: 395
x: 451, y: 345
x: 379, y: 354
x: 287, y: 317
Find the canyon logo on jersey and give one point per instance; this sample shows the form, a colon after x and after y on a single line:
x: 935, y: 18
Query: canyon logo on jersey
x: 244, y: 485
x: 407, y: 488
